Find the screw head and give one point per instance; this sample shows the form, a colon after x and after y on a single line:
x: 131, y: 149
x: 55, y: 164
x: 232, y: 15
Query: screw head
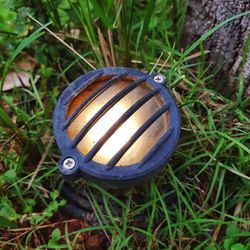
x: 159, y: 78
x: 69, y: 163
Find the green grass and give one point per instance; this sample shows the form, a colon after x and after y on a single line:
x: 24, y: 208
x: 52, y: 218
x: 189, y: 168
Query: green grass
x: 209, y: 171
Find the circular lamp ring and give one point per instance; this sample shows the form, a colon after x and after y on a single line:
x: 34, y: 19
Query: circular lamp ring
x: 115, y: 126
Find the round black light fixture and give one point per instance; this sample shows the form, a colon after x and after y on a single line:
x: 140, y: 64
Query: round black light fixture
x: 115, y: 126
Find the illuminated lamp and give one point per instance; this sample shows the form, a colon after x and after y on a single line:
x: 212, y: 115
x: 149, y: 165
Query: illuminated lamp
x: 115, y: 126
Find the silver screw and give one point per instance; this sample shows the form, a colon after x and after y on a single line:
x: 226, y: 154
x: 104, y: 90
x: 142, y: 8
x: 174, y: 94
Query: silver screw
x: 159, y: 78
x: 69, y: 163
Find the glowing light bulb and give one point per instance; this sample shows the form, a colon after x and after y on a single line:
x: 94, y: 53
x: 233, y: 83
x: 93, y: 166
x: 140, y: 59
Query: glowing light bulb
x: 120, y: 136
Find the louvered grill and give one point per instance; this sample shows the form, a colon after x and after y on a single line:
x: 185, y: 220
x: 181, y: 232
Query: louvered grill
x: 95, y: 90
x: 115, y: 126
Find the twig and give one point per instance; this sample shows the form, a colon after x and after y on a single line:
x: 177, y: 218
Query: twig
x: 41, y: 162
x: 110, y: 38
x: 96, y: 214
x: 164, y: 64
x: 104, y: 48
x: 159, y: 58
x: 41, y: 226
x: 60, y: 40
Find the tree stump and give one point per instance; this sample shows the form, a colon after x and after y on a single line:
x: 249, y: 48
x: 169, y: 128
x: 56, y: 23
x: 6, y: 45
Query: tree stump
x: 227, y: 45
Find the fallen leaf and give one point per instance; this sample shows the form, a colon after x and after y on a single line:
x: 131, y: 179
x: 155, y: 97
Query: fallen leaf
x: 75, y: 33
x: 15, y: 80
x: 95, y: 242
x: 21, y: 76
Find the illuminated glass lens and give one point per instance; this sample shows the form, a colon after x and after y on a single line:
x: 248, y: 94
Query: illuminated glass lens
x: 118, y: 139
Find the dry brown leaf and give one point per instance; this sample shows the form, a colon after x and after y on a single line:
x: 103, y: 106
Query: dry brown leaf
x: 21, y: 77
x: 75, y: 33
x: 15, y: 80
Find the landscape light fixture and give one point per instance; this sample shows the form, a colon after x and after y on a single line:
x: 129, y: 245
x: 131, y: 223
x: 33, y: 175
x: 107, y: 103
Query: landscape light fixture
x: 115, y: 126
